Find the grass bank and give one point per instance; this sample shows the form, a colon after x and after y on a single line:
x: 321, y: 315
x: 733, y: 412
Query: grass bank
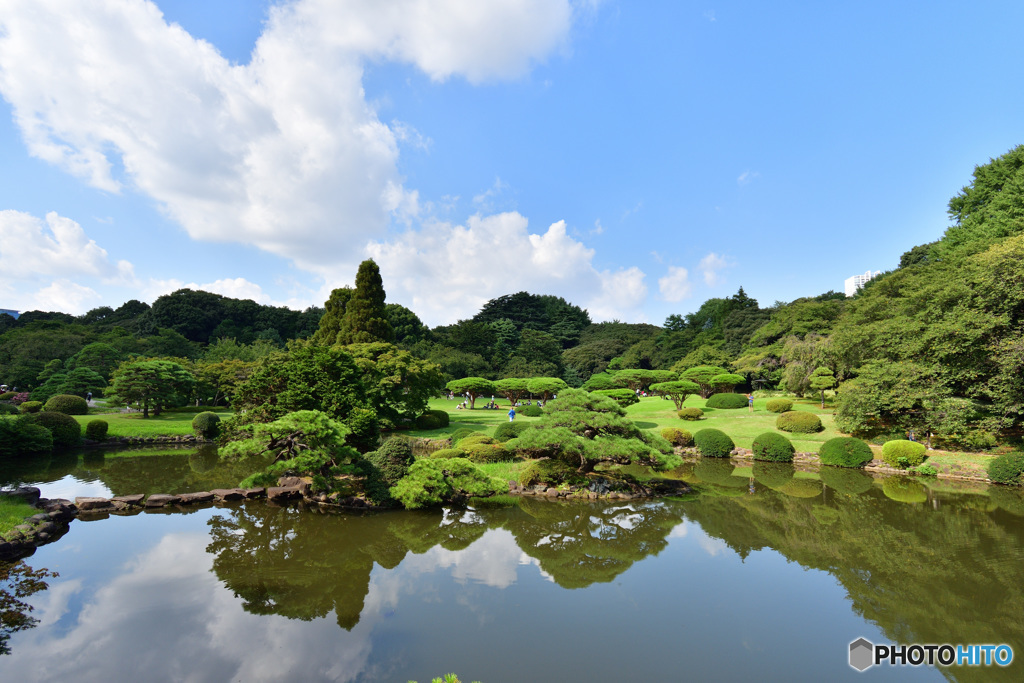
x: 133, y: 425
x: 13, y: 512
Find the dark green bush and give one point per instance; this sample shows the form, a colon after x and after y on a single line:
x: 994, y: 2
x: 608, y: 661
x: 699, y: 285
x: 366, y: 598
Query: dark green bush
x: 21, y: 435
x: 460, y: 434
x: 389, y: 463
x: 552, y: 472
x: 843, y: 479
x: 509, y: 430
x: 624, y: 397
x: 904, y: 490
x: 442, y: 416
x: 656, y: 441
x: 1007, y: 469
x: 713, y: 443
x: 773, y: 447
x: 799, y: 421
x: 779, y: 405
x: 530, y: 411
x: 903, y: 453
x: 7, y: 396
x: 363, y: 429
x: 727, y: 401
x: 67, y: 404
x: 65, y: 429
x: 845, y: 451
x: 773, y: 474
x: 96, y: 430
x: 428, y: 421
x: 690, y: 414
x: 30, y: 407
x: 677, y: 437
x: 8, y: 409
x: 443, y: 453
x: 206, y: 425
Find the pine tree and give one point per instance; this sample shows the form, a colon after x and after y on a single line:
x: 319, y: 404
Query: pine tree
x: 331, y: 321
x: 364, y: 320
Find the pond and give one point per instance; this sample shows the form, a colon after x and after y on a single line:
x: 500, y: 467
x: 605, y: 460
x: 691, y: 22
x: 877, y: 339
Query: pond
x: 745, y: 582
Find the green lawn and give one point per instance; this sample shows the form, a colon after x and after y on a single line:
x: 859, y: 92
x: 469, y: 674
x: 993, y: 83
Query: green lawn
x: 134, y: 425
x: 13, y: 512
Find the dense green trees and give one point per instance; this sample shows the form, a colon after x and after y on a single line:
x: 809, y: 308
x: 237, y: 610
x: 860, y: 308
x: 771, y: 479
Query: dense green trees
x: 365, y: 321
x: 151, y: 383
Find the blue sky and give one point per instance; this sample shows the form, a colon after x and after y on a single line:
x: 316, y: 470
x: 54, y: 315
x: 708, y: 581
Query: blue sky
x: 635, y: 158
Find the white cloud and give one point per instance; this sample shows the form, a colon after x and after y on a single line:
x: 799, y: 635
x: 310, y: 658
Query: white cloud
x: 676, y: 285
x: 29, y: 249
x: 747, y: 177
x: 712, y: 266
x: 235, y: 288
x: 446, y: 272
x: 64, y: 295
x: 283, y: 153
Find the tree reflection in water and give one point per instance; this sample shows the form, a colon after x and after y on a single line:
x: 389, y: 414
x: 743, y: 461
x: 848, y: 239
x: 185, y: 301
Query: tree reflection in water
x: 17, y: 582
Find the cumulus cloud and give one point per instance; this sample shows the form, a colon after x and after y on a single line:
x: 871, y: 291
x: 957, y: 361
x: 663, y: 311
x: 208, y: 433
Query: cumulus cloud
x: 747, y: 177
x: 235, y: 288
x: 676, y: 285
x: 283, y: 153
x: 712, y: 266
x: 446, y: 272
x: 30, y: 247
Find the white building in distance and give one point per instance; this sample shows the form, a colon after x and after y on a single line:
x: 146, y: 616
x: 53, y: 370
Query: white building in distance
x: 852, y: 284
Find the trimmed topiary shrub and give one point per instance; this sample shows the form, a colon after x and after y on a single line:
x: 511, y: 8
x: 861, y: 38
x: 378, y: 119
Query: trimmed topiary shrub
x: 624, y: 397
x: 460, y: 434
x: 902, y: 453
x: 509, y: 430
x: 442, y: 416
x: 677, y: 437
x: 779, y: 405
x: 67, y: 404
x: 474, y: 440
x: 428, y: 421
x: 713, y: 443
x: 845, y: 451
x: 443, y: 453
x: 96, y: 430
x: 389, y: 463
x: 486, y: 452
x: 904, y: 490
x: 21, y: 435
x: 65, y: 429
x: 7, y: 396
x: 530, y: 411
x: 206, y: 425
x: 799, y: 421
x: 549, y: 472
x: 727, y: 401
x: 690, y: 414
x: 846, y: 480
x: 773, y: 447
x: 30, y: 407
x: 773, y: 474
x: 1007, y: 469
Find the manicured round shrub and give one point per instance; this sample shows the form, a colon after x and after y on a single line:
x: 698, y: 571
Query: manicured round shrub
x: 846, y: 480
x: 904, y: 490
x: 460, y: 434
x: 474, y: 440
x: 442, y: 415
x: 8, y: 409
x: 206, y: 425
x: 96, y: 430
x: 799, y: 421
x: 773, y: 447
x: 30, y: 407
x: 624, y: 397
x: 690, y: 414
x: 551, y: 472
x: 444, y: 453
x: 65, y: 429
x: 677, y: 437
x: 67, y: 404
x: 779, y: 405
x: 727, y: 401
x: 428, y: 421
x: 530, y: 411
x: 902, y: 453
x: 486, y: 452
x: 1007, y: 469
x: 713, y: 443
x: 801, y: 488
x: 773, y: 474
x: 20, y: 435
x: 7, y: 396
x: 845, y: 451
x: 509, y: 430
x: 392, y: 459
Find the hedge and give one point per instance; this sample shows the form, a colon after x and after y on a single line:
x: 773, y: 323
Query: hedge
x: 31, y: 407
x: 690, y: 414
x: 779, y: 405
x: 427, y: 421
x: 713, y: 443
x: 799, y: 421
x: 481, y: 453
x: 677, y: 437
x: 206, y: 425
x: 65, y: 429
x: 509, y: 430
x: 773, y: 447
x: 845, y: 451
x: 21, y: 435
x: 903, y: 453
x: 1007, y: 469
x: 96, y: 430
x: 67, y: 404
x: 530, y: 410
x: 727, y: 401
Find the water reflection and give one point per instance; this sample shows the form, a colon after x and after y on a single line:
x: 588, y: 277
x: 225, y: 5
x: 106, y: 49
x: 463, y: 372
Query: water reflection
x: 18, y: 582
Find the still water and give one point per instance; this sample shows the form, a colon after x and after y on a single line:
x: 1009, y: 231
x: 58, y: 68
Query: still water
x: 768, y: 575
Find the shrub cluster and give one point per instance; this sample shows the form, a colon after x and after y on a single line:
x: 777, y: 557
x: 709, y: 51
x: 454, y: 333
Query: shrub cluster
x: 509, y: 430
x: 799, y: 421
x: 8, y: 409
x: 67, y: 404
x: 444, y: 453
x: 550, y: 472
x: 779, y: 405
x: 389, y: 463
x: 902, y: 453
x: 713, y: 443
x: 475, y: 439
x: 7, y: 396
x: 460, y: 434
x: 727, y: 401
x: 624, y: 397
x: 486, y: 452
x: 690, y: 414
x: 428, y: 421
x: 65, y: 429
x: 20, y: 435
x: 31, y: 406
x: 845, y: 451
x: 773, y: 447
x: 96, y: 430
x: 206, y: 425
x: 1007, y: 469
x: 530, y: 411
x: 677, y: 437
x: 441, y: 415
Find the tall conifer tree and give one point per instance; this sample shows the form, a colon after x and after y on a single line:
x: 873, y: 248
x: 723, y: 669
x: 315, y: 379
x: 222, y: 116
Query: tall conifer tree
x: 331, y: 321
x: 364, y: 319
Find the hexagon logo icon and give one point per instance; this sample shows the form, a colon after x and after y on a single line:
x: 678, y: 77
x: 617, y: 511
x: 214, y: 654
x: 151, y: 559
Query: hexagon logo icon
x: 861, y: 654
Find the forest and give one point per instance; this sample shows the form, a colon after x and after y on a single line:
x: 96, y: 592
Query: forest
x: 936, y: 345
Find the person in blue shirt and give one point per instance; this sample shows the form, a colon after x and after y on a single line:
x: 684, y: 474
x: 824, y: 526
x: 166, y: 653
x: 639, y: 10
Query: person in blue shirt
x: 511, y: 414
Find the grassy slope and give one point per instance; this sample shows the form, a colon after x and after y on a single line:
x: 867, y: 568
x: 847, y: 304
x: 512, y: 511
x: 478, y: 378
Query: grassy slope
x: 134, y: 425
